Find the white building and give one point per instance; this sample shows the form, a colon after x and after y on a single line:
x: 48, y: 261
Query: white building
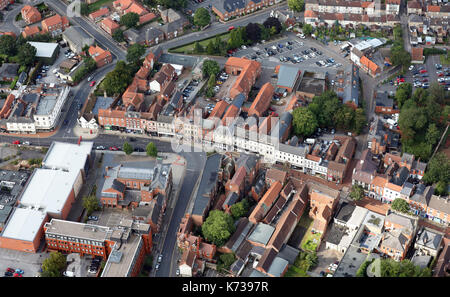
x: 49, y: 108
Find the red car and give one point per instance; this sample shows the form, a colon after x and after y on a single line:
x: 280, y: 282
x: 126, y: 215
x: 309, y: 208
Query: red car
x: 441, y: 74
x: 423, y: 71
x: 92, y: 83
x: 9, y: 269
x: 424, y: 80
x: 230, y: 28
x: 114, y: 148
x: 274, y: 114
x: 16, y: 142
x: 17, y: 275
x: 400, y: 80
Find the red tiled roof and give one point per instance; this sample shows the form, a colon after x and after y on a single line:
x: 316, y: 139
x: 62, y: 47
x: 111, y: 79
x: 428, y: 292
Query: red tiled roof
x: 417, y: 54
x: 98, y: 13
x: 433, y: 8
x: 219, y: 109
x: 53, y: 20
x: 146, y: 17
x: 262, y: 100
x: 30, y: 31
x: 108, y: 22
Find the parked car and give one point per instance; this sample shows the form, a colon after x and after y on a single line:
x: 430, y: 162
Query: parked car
x: 93, y: 218
x: 411, y: 67
x: 178, y: 271
x: 113, y: 148
x: 160, y: 258
x: 423, y: 71
x: 8, y: 274
x: 230, y: 28
x: 100, y: 147
x: 16, y: 142
x: 157, y: 266
x: 9, y: 269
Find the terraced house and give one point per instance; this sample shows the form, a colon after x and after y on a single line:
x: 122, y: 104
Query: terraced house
x: 227, y: 9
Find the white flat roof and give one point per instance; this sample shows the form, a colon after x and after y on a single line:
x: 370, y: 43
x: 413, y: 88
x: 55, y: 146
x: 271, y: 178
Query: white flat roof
x: 44, y: 49
x: 358, y: 215
x: 48, y: 189
x: 67, y: 156
x: 24, y: 224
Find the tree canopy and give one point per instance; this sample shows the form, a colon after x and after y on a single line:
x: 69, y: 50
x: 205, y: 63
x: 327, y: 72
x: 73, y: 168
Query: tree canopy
x: 26, y: 54
x: 405, y: 268
x: 130, y: 20
x: 304, y: 121
x: 271, y: 22
x: 135, y: 52
x: 438, y: 169
x: 400, y: 205
x: 218, y: 227
x: 53, y: 265
x: 239, y: 209
x: 357, y: 192
x: 91, y: 204
x: 7, y: 45
x: 201, y: 17
x: 127, y: 148
x: 151, y: 150
x: 117, y: 81
x: 296, y: 5
x: 210, y: 67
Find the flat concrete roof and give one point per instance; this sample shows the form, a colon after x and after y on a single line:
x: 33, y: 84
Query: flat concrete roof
x: 44, y: 49
x: 24, y: 224
x: 120, y: 267
x: 77, y: 230
x: 67, y: 156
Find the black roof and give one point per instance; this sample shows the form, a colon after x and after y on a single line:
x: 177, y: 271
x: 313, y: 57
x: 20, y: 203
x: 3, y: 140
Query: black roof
x: 345, y: 212
x: 207, y: 183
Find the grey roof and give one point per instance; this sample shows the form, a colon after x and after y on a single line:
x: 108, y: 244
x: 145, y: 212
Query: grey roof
x: 231, y: 199
x: 207, y: 183
x: 238, y: 100
x: 173, y: 26
x: 136, y: 173
x: 31, y: 98
x: 260, y: 183
x: 287, y: 76
x: 335, y: 234
x: 421, y: 260
x: 351, y: 92
x: 46, y: 105
x: 345, y: 212
x: 289, y: 253
x: 429, y: 239
x: 5, y: 211
x: 398, y: 219
x: 400, y: 176
x: 407, y: 189
x: 262, y: 233
x: 395, y: 239
x: 22, y: 77
x: 441, y: 204
x: 365, y: 168
x: 114, y: 184
x: 256, y: 273
x: 295, y: 150
x: 278, y: 266
x: 9, y: 70
x: 417, y: 165
x: 242, y: 229
x: 231, y: 5
x: 247, y: 160
x: 237, y: 266
x: 78, y: 37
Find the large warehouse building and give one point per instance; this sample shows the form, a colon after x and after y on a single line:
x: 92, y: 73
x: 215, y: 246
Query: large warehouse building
x: 49, y: 193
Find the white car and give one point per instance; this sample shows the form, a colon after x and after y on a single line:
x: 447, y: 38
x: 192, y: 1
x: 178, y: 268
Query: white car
x: 411, y: 67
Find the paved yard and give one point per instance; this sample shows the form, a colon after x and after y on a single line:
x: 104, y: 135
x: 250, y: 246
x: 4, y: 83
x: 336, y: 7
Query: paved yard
x: 326, y: 257
x: 28, y: 262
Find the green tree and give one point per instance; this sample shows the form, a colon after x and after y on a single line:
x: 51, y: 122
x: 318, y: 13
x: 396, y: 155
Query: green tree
x: 135, y: 53
x: 357, y: 192
x: 253, y: 31
x: 312, y: 259
x: 438, y: 169
x: 7, y: 45
x: 307, y: 29
x: 118, y: 35
x: 360, y: 121
x: 210, y: 48
x: 84, y: 8
x: 127, y: 148
x: 344, y: 118
x: 441, y: 188
x: 201, y: 17
x: 433, y: 134
x: 218, y: 227
x: 53, y: 265
x: 304, y: 121
x: 272, y: 22
x: 26, y: 54
x: 210, y: 67
x: 91, y: 204
x: 296, y: 5
x: 129, y: 20
x: 151, y: 150
x: 400, y: 205
x: 198, y: 48
x: 405, y: 268
x: 117, y: 81
x: 225, y: 261
x: 239, y: 209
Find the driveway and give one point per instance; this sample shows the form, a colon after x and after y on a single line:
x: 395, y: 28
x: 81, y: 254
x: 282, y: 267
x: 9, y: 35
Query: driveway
x: 326, y: 257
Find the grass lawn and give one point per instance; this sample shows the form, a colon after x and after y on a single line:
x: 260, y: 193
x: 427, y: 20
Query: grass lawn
x: 445, y: 60
x: 96, y: 5
x: 310, y: 241
x: 190, y: 47
x: 294, y: 271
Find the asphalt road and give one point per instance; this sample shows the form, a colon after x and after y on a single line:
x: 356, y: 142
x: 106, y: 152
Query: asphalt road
x: 195, y: 164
